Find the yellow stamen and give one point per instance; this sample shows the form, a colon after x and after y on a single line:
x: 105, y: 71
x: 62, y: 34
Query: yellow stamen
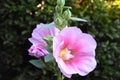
x: 65, y: 54
x: 62, y: 54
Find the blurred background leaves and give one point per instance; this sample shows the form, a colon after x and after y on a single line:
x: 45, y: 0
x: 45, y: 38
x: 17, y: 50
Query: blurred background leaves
x: 19, y: 17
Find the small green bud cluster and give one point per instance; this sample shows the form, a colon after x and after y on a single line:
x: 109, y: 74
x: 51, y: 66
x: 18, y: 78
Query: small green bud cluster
x: 61, y: 17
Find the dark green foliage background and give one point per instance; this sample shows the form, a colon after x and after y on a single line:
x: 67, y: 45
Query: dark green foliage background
x: 19, y: 17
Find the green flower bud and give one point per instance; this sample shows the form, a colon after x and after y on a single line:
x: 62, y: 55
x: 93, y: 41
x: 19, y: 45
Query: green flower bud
x: 58, y: 21
x: 58, y: 9
x: 61, y: 3
x: 67, y: 14
x: 64, y: 24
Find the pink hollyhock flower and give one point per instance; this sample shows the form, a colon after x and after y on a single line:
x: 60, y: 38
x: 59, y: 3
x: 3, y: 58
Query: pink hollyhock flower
x: 38, y: 48
x: 74, y: 52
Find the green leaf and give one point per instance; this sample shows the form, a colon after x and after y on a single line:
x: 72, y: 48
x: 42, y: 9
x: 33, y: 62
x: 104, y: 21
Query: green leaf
x: 78, y: 19
x: 37, y: 63
x: 49, y: 58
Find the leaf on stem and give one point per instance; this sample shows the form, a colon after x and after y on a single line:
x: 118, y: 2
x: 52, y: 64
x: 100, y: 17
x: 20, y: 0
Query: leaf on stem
x: 78, y: 19
x: 37, y: 63
x: 49, y: 57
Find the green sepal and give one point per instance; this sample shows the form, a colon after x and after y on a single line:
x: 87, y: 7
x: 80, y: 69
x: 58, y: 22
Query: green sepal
x: 48, y: 38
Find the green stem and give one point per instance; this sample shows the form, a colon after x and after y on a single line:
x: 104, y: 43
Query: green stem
x: 60, y: 76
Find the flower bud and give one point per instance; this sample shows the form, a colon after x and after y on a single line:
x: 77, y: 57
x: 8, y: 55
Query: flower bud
x: 58, y: 9
x: 61, y: 3
x: 58, y: 21
x: 67, y: 14
x: 64, y: 24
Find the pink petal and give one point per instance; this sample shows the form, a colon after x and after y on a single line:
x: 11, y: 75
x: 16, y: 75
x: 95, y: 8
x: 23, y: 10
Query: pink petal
x: 84, y: 64
x: 36, y: 42
x: 69, y: 32
x: 65, y: 74
x: 85, y: 46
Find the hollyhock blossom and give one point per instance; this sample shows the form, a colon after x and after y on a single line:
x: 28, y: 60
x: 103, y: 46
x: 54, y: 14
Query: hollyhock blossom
x: 38, y: 48
x: 74, y: 52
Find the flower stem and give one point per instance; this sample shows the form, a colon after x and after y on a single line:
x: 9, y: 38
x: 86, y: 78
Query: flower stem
x: 60, y: 76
